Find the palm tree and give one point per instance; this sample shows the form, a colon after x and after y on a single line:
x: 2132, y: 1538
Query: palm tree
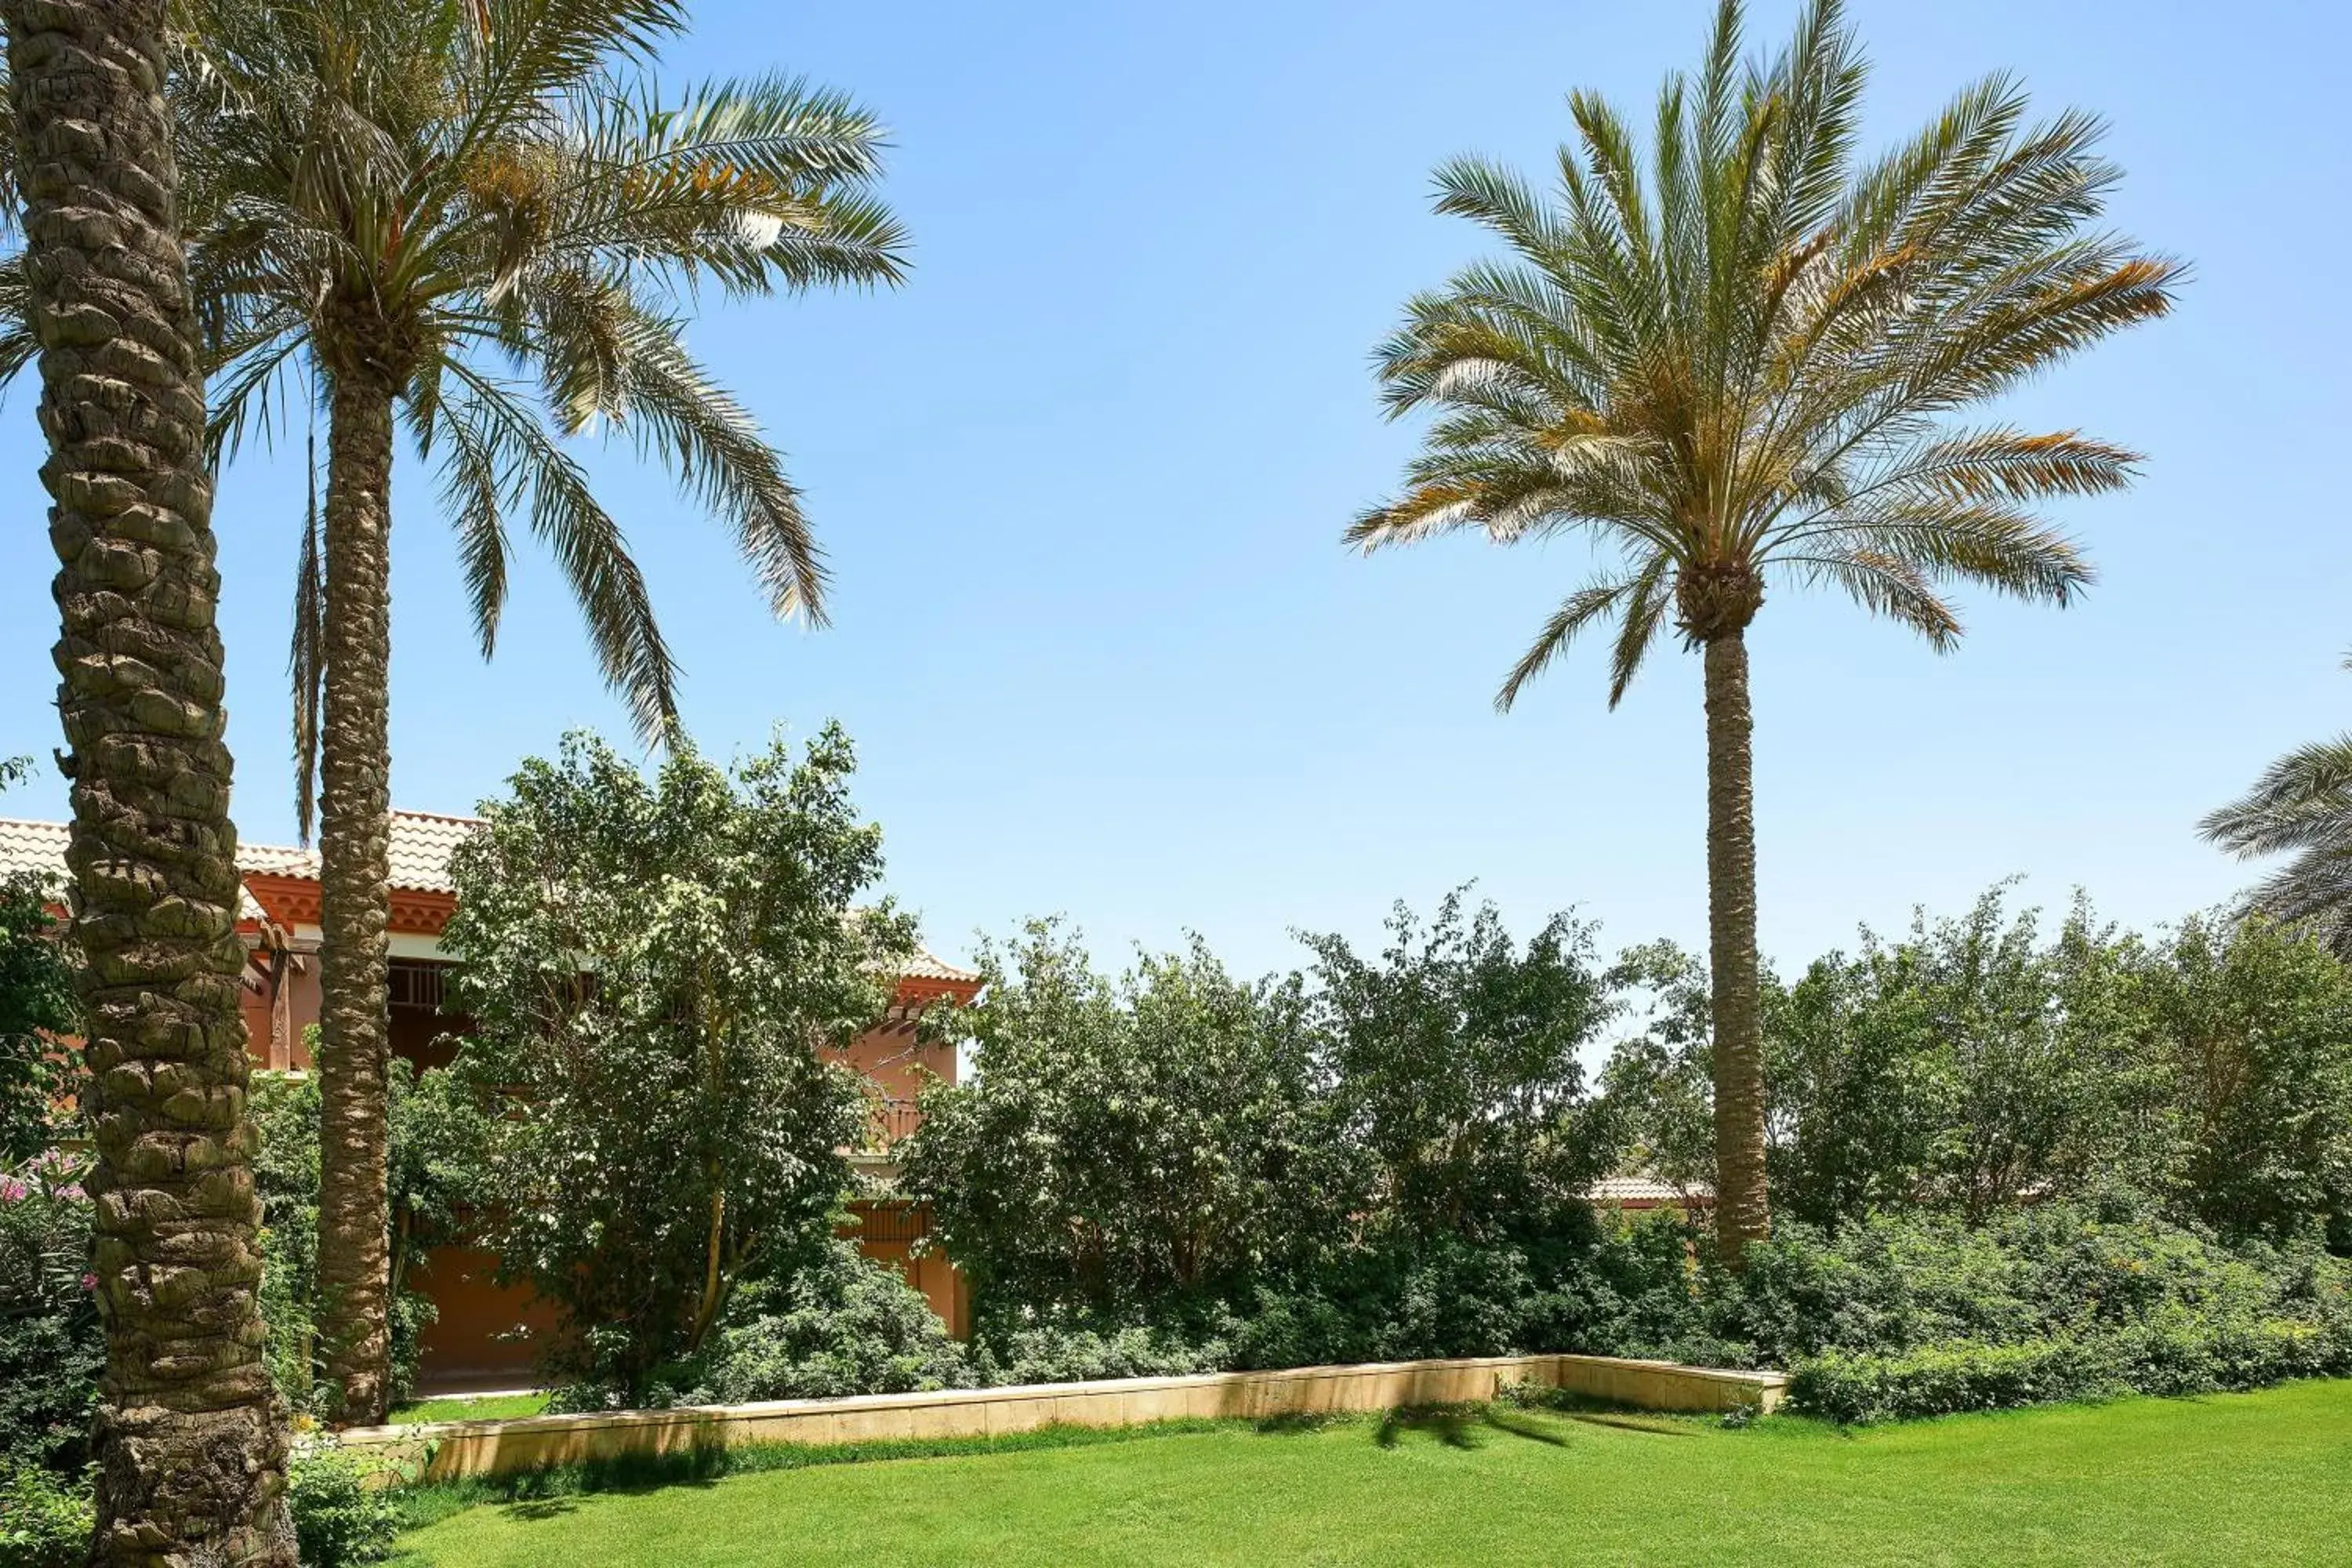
x: 1731, y: 366
x: 191, y: 1440
x: 463, y: 215
x: 2302, y: 805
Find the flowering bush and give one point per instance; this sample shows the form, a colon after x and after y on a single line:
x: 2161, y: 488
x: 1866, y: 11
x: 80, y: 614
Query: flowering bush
x: 51, y: 1347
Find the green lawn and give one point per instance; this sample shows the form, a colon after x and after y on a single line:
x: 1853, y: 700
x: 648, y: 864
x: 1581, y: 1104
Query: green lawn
x: 2246, y: 1479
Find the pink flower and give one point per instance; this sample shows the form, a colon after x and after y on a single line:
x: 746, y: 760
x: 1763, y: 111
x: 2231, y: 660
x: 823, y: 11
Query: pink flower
x: 90, y: 1281
x: 14, y: 1191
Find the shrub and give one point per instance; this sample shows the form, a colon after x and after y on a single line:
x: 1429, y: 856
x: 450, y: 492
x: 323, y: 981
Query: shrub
x: 37, y: 1006
x: 1939, y: 1380
x: 51, y: 1344
x: 425, y: 1184
x: 1050, y: 1354
x: 1920, y: 1318
x: 337, y: 1519
x: 45, y: 1519
x: 843, y: 1325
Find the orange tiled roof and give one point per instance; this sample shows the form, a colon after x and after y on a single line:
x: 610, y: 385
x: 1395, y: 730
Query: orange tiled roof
x: 422, y: 843
x: 40, y: 848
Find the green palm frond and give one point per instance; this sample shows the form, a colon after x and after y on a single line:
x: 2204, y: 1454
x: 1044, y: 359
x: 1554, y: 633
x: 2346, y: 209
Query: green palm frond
x: 17, y: 343
x: 2301, y: 807
x: 2303, y: 801
x: 504, y: 188
x: 497, y: 428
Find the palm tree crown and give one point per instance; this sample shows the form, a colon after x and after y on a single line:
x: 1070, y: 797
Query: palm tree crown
x: 1734, y: 363
x: 462, y: 199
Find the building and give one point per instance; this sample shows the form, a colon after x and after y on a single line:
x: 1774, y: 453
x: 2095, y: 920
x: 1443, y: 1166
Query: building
x: 484, y: 1332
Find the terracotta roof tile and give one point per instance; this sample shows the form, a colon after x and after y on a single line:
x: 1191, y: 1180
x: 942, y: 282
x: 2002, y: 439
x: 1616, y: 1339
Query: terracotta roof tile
x: 926, y: 966
x: 35, y: 847
x: 1643, y: 1189
x: 422, y: 843
x: 40, y: 848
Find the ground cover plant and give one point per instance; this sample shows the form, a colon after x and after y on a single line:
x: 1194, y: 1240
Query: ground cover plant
x: 2240, y: 1479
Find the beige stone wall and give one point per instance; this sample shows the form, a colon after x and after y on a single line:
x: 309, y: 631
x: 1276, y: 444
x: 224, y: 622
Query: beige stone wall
x: 448, y: 1450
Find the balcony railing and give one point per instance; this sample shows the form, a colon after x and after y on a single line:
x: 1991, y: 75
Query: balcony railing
x: 892, y: 1120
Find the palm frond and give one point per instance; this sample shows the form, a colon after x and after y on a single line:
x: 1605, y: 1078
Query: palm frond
x: 552, y: 493
x: 306, y: 664
x: 1576, y: 611
x: 2302, y: 801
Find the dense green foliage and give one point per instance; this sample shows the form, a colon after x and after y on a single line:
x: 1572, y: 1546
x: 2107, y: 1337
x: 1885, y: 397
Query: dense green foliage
x: 1126, y: 1141
x: 2244, y: 1479
x: 835, y: 1324
x: 52, y: 1346
x: 37, y: 1004
x: 435, y: 1169
x: 337, y: 1520
x: 1385, y: 1155
x: 652, y: 966
x: 1977, y: 1064
x: 1923, y: 1314
x: 45, y: 1519
x: 2004, y: 1156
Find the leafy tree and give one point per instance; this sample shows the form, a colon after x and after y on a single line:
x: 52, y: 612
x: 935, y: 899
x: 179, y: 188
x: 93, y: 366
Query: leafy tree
x: 191, y: 1443
x: 1124, y: 1140
x: 1657, y: 1088
x: 2302, y: 806
x: 1976, y: 1066
x: 477, y: 216
x: 1940, y: 1069
x: 37, y: 1007
x: 1453, y: 1060
x: 1733, y: 363
x: 652, y: 965
x: 2254, y: 1021
x: 37, y: 1004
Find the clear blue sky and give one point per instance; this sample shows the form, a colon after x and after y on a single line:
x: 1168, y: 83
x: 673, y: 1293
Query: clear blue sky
x: 1082, y: 482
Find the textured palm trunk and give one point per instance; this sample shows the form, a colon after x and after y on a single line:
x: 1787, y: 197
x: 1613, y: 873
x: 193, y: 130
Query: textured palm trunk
x: 191, y: 1438
x: 1742, y: 1210
x: 354, y: 876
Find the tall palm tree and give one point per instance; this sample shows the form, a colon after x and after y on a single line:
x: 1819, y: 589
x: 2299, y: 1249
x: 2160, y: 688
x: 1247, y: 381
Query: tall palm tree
x: 1731, y: 366
x: 466, y: 216
x: 2302, y: 805
x: 190, y: 1442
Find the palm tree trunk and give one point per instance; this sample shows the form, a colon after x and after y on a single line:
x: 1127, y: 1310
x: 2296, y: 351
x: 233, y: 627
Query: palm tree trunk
x: 1742, y: 1210
x: 354, y: 877
x: 191, y: 1436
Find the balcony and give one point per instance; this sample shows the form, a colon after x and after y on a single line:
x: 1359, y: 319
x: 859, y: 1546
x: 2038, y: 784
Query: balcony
x: 891, y: 1119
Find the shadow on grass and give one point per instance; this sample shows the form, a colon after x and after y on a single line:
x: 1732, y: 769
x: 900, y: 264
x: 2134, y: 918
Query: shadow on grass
x: 1453, y: 1425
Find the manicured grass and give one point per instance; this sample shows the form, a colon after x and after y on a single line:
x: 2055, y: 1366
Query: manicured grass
x: 2244, y: 1479
x: 497, y: 1407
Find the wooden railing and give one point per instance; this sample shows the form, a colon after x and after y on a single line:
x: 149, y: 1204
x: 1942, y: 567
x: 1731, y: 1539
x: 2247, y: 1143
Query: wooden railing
x: 893, y: 1119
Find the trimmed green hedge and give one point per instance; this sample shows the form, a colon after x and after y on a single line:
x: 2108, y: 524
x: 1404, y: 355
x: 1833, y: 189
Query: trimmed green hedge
x: 2177, y: 1353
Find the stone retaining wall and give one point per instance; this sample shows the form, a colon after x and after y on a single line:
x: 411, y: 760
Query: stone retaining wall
x: 451, y: 1449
